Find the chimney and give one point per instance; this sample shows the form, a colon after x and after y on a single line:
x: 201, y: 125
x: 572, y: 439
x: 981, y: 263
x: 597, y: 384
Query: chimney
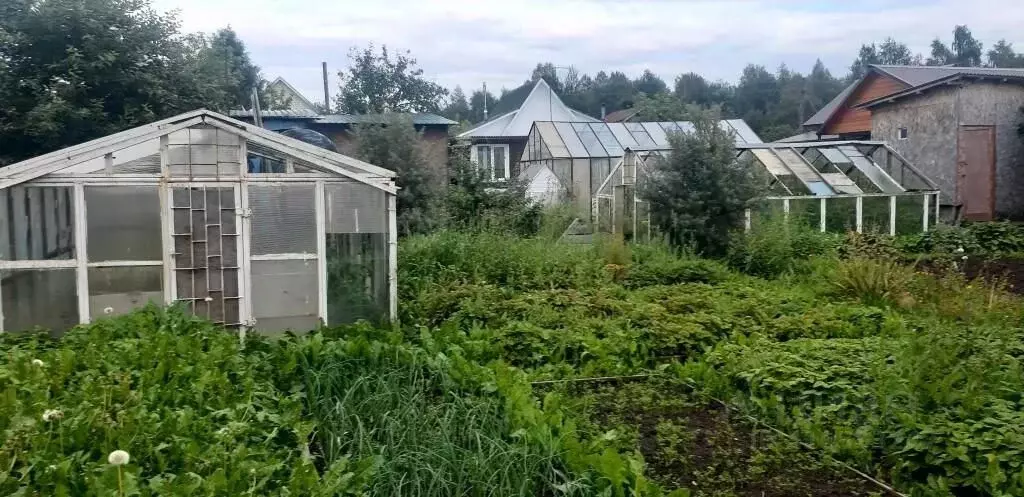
x: 602, y: 112
x: 327, y: 93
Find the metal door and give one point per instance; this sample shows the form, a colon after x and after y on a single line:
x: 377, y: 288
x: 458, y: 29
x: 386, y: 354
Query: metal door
x: 976, y: 172
x: 205, y: 227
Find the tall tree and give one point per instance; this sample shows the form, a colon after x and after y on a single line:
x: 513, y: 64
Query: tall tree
x: 1002, y: 54
x: 377, y: 82
x: 458, y: 107
x: 221, y: 63
x: 73, y: 70
x: 649, y: 84
x: 965, y: 51
x: 756, y: 93
x: 889, y: 52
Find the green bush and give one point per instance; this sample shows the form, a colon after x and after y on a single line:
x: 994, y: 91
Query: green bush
x: 655, y: 264
x: 777, y: 247
x: 473, y: 202
x: 973, y: 238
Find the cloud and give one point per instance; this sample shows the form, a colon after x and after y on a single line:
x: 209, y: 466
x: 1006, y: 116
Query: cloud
x: 467, y: 42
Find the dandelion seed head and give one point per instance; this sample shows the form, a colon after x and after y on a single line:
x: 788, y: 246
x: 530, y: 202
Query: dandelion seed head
x: 52, y: 415
x: 38, y: 363
x: 118, y: 458
x: 108, y: 310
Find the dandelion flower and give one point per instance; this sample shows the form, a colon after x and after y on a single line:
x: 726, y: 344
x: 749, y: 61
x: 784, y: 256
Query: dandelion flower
x: 38, y: 362
x: 52, y: 415
x: 118, y: 458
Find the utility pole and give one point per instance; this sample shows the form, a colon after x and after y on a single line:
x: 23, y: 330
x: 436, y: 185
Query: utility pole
x: 485, y: 100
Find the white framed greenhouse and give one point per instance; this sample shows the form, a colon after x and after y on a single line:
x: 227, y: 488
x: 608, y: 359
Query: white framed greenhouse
x: 840, y: 186
x: 176, y: 212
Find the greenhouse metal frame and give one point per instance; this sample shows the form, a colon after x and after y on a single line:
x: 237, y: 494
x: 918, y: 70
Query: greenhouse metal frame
x: 820, y: 174
x: 174, y: 211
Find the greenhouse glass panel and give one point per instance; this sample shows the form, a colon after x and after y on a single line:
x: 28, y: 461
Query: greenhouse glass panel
x: 283, y: 219
x: 119, y: 290
x: 657, y: 134
x: 599, y: 171
x: 39, y: 298
x: 357, y: 253
x: 670, y: 127
x: 910, y: 214
x: 875, y: 215
x: 639, y: 133
x: 36, y: 223
x: 685, y: 126
x: 805, y: 212
x: 554, y: 142
x: 589, y: 139
x: 572, y: 140
x: 766, y: 211
x: 840, y: 214
x: 284, y: 295
x: 607, y: 139
x: 623, y: 135
x: 116, y: 233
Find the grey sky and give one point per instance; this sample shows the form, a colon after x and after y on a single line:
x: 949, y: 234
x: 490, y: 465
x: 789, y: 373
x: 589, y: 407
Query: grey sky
x: 468, y: 42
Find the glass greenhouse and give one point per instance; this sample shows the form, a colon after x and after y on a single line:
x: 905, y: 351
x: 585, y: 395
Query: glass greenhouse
x: 843, y: 186
x: 588, y: 160
x: 240, y: 225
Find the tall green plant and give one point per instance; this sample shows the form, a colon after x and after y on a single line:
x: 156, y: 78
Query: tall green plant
x: 474, y: 202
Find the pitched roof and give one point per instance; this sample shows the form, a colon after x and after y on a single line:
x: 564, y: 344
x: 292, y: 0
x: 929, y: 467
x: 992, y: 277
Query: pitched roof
x: 421, y: 118
x: 299, y: 101
x: 1004, y: 75
x: 542, y: 104
x: 621, y: 115
x: 75, y: 155
x: 826, y: 112
x: 914, y: 76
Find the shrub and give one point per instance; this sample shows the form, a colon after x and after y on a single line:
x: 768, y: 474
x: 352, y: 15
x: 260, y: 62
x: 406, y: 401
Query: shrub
x: 974, y: 238
x: 777, y: 247
x: 876, y: 282
x: 473, y: 202
x: 868, y: 245
x: 699, y: 193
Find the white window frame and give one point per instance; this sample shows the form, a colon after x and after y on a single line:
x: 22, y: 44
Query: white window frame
x: 508, y: 160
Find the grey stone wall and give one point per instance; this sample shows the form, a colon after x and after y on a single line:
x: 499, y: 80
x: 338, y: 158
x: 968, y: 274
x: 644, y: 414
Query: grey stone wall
x: 999, y: 104
x: 931, y: 135
x: 932, y: 121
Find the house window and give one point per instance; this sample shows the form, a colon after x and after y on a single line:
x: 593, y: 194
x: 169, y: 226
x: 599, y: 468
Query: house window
x: 902, y: 133
x: 493, y: 159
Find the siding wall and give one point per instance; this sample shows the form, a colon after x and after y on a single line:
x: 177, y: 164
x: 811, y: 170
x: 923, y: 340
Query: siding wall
x: 850, y: 120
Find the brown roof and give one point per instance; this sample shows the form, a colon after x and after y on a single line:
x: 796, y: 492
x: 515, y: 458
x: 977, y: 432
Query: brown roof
x: 620, y: 116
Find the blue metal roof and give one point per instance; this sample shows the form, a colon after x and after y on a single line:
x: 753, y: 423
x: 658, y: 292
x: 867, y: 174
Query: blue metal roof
x: 422, y: 118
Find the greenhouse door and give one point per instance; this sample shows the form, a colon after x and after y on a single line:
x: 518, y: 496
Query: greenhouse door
x: 205, y: 226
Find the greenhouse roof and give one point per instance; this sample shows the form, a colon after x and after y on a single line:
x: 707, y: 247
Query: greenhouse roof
x: 138, y: 148
x: 600, y: 139
x: 837, y: 168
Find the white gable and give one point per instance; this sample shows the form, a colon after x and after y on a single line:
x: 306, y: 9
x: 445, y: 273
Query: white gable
x: 542, y: 104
